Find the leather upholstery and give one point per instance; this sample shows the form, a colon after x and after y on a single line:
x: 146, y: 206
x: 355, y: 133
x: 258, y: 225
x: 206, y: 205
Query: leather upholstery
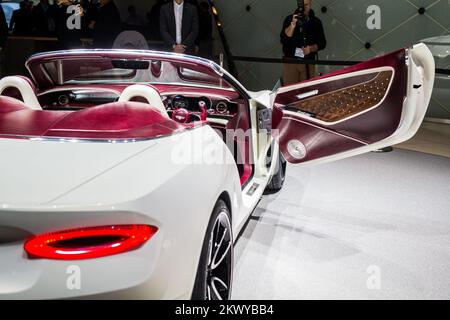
x: 118, y: 120
x: 145, y: 91
x: 26, y: 88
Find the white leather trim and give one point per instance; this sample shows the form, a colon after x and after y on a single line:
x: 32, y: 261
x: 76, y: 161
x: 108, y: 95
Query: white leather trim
x: 152, y: 95
x: 25, y: 89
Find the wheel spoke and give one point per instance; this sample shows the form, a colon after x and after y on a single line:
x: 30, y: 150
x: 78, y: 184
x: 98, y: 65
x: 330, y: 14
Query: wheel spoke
x: 208, y: 297
x: 210, y: 249
x: 216, y: 264
x: 219, y: 257
x: 216, y: 290
x: 217, y: 247
x: 224, y: 285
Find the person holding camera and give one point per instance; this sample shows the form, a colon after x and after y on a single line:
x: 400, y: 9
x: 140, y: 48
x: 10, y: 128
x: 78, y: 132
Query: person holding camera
x: 67, y: 30
x: 302, y: 38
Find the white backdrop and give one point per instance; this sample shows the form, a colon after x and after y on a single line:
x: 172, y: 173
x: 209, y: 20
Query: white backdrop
x: 256, y: 32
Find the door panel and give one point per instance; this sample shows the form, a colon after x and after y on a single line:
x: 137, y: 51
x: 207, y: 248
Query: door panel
x: 356, y: 108
x: 334, y: 106
x: 318, y: 142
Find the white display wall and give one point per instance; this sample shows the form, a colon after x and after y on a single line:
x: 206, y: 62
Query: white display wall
x: 252, y: 28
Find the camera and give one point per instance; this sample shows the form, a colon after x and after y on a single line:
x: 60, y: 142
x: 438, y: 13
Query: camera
x: 301, y: 12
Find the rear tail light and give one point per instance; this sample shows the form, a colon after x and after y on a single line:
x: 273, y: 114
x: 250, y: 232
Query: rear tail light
x: 88, y: 243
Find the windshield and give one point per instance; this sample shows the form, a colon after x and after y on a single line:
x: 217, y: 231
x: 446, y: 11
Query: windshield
x: 109, y: 70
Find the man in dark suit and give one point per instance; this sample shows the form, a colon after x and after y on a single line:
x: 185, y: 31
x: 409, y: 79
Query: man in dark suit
x: 179, y: 26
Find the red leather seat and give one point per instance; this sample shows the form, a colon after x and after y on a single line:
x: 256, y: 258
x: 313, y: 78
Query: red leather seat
x: 8, y: 104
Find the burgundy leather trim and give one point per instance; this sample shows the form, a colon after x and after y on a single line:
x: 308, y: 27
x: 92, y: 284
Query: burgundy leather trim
x: 322, y: 140
x: 381, y: 122
x: 118, y: 120
x: 12, y: 92
x: 121, y: 120
x: 162, y: 88
x: 290, y: 97
x: 341, y: 104
x: 318, y: 143
x: 9, y: 104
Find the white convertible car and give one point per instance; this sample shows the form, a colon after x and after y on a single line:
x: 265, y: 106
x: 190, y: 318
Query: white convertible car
x: 129, y: 174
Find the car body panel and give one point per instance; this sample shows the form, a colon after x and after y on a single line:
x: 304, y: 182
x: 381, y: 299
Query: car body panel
x: 151, y: 191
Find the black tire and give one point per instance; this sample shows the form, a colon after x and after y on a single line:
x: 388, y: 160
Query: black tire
x: 279, y: 176
x: 215, y: 269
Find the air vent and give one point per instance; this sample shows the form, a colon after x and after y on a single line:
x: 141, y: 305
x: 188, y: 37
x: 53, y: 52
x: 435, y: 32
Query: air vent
x: 221, y: 107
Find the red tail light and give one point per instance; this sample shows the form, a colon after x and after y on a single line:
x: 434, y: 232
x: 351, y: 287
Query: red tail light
x: 88, y: 243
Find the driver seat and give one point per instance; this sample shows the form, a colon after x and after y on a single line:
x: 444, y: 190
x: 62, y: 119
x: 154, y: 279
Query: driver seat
x: 147, y: 92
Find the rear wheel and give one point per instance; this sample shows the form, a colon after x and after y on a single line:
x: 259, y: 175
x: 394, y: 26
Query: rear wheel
x: 277, y: 180
x: 215, y: 269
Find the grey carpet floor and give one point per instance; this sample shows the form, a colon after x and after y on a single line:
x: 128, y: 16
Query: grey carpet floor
x: 375, y: 226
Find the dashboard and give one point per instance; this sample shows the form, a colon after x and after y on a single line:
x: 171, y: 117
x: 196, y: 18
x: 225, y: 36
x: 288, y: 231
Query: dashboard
x: 77, y: 99
x: 219, y: 107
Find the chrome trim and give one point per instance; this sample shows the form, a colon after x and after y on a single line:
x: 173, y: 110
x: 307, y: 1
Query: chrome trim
x: 138, y: 53
x: 147, y: 54
x: 59, y: 68
x: 92, y: 140
x: 308, y: 94
x: 76, y: 88
x: 222, y: 106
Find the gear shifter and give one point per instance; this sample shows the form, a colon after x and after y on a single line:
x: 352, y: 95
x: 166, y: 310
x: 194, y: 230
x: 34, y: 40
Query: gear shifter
x: 202, y: 107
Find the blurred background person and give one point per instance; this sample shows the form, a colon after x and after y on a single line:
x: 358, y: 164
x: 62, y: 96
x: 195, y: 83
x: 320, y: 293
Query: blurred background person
x: 90, y: 13
x: 44, y: 19
x: 152, y: 25
x: 107, y: 24
x: 205, y: 29
x: 134, y: 21
x: 179, y: 26
x: 294, y: 46
x: 21, y: 23
x: 67, y: 32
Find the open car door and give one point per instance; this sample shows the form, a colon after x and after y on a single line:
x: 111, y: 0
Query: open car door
x: 368, y: 106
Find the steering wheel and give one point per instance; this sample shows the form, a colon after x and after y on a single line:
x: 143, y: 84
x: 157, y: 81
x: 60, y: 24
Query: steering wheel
x: 183, y: 115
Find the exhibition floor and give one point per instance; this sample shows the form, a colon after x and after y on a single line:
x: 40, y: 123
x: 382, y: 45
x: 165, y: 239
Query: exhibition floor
x: 432, y: 138
x: 335, y: 227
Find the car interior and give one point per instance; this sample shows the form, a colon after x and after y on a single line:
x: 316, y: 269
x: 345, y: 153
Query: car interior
x: 224, y: 110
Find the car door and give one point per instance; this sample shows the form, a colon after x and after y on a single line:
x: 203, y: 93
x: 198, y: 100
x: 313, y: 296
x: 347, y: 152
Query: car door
x: 362, y: 108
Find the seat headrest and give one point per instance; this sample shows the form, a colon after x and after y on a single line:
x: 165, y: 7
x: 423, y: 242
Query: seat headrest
x: 26, y: 88
x: 145, y: 91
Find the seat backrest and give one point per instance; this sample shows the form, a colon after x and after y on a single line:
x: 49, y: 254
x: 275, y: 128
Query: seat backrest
x: 8, y: 104
x: 147, y: 92
x: 130, y: 40
x: 25, y: 87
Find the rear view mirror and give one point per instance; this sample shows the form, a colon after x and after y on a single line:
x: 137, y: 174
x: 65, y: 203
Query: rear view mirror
x: 131, y: 64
